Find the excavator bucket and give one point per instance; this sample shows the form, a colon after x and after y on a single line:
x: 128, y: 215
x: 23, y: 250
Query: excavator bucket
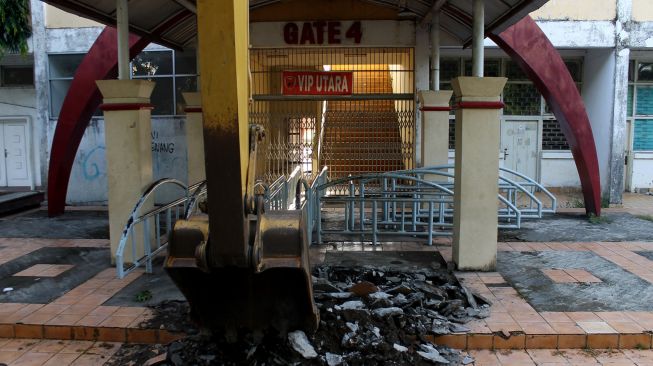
x: 274, y: 292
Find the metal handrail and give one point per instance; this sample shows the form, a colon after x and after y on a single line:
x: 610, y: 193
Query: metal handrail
x: 199, y: 191
x: 136, y: 217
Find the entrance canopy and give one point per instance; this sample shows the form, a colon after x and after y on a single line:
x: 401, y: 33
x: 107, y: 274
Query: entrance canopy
x: 178, y: 17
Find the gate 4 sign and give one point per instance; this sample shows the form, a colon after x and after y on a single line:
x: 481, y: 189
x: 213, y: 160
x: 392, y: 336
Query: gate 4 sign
x: 317, y: 83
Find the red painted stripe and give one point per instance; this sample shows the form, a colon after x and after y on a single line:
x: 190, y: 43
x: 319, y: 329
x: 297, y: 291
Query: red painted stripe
x: 125, y: 106
x: 480, y: 105
x: 193, y: 110
x: 435, y: 109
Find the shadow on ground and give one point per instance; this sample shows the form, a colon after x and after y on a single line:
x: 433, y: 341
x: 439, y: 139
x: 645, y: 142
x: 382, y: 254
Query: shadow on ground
x: 577, y: 227
x: 70, y: 225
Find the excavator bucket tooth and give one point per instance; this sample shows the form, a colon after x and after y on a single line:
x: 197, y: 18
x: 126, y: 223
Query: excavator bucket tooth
x: 275, y: 293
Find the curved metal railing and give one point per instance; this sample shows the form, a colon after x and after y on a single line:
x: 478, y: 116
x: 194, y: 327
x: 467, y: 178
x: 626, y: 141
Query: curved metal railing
x: 144, y: 235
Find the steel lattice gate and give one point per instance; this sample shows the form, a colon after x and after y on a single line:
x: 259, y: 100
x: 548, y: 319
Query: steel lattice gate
x: 372, y: 130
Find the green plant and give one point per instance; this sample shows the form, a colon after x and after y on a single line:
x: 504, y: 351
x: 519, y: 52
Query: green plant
x: 15, y: 26
x: 576, y: 203
x: 596, y: 220
x: 605, y: 202
x: 143, y: 296
x: 639, y: 346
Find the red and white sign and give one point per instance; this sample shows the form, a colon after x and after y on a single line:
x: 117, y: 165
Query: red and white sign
x: 317, y: 83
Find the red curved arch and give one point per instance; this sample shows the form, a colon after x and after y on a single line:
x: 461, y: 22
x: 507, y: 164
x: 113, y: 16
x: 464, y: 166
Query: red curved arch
x: 81, y: 101
x: 527, y: 45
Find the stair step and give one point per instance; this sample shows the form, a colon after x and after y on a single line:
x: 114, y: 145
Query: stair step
x: 20, y: 201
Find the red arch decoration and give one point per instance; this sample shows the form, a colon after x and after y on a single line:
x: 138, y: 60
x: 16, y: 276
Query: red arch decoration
x: 81, y: 101
x: 527, y: 45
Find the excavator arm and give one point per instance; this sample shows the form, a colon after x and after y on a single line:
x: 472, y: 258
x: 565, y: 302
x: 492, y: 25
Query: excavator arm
x: 239, y: 267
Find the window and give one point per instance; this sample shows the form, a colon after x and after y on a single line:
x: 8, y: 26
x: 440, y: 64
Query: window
x: 174, y: 73
x: 640, y: 103
x: 61, y: 69
x: 11, y: 76
x: 520, y: 95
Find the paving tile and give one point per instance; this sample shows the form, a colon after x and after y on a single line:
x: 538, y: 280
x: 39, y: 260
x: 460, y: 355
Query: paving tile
x: 77, y: 347
x: 49, y: 346
x: 601, y: 341
x: 596, y: 327
x: 573, y: 341
x: 546, y: 356
x: 537, y: 328
x: 583, y: 316
x: 8, y: 357
x: 118, y: 321
x: 541, y: 341
x: 64, y: 320
x: 579, y: 357
x: 485, y: 358
x: 557, y: 317
x: 20, y: 344
x: 32, y: 359
x: 515, y: 341
x: 62, y: 359
x: 515, y: 357
x: 89, y: 360
x: 638, y: 341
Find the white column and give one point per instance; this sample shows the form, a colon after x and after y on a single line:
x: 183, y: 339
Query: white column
x: 477, y: 172
x: 128, y: 135
x: 478, y: 36
x: 122, y: 17
x: 435, y: 131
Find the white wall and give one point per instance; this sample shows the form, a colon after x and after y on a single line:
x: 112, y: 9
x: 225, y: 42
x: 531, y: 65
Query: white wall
x: 598, y: 95
x: 88, y: 178
x: 558, y: 169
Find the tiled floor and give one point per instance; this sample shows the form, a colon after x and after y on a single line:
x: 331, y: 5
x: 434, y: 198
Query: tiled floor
x: 36, y: 352
x: 562, y: 357
x: 78, y: 318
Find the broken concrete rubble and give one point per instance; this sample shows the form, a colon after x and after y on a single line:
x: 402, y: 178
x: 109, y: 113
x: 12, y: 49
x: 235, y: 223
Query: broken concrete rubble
x: 368, y: 316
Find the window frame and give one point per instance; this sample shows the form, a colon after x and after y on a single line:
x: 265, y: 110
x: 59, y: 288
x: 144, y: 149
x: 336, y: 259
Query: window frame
x: 173, y: 76
x: 632, y: 119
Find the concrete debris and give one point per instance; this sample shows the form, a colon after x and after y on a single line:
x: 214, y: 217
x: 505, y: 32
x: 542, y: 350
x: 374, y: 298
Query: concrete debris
x: 352, y: 305
x: 430, y: 353
x: 399, y: 348
x: 358, y: 327
x: 333, y: 359
x: 457, y: 328
x: 300, y: 343
x: 467, y: 360
x: 363, y: 288
x: 386, y: 312
x: 380, y: 296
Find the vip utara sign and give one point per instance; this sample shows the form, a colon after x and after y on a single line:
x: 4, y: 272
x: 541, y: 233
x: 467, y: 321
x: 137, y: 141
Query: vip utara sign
x: 317, y: 83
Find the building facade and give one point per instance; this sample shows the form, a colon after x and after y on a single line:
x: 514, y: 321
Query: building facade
x: 606, y: 44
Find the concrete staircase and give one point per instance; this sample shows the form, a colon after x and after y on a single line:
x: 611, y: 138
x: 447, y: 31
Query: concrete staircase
x: 363, y: 136
x: 12, y: 202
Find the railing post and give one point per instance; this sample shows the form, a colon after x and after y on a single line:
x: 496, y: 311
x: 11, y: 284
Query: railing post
x: 374, y: 204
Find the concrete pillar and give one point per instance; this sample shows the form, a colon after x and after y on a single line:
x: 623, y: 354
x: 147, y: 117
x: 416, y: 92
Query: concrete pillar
x: 194, y: 138
x: 435, y: 126
x: 476, y: 172
x: 129, y: 151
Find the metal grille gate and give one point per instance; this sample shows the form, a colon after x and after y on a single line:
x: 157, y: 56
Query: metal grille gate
x: 370, y: 131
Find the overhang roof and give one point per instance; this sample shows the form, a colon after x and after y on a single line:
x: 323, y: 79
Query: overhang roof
x: 173, y: 23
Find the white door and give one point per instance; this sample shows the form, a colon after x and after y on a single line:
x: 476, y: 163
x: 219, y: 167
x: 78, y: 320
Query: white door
x: 519, y: 143
x: 15, y: 153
